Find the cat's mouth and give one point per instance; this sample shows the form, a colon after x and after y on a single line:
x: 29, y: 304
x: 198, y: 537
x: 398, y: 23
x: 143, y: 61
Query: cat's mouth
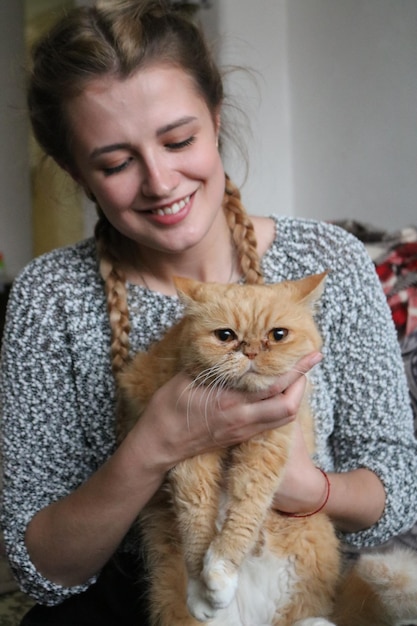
x: 254, y: 381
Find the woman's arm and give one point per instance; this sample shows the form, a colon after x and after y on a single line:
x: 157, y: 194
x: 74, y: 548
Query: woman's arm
x: 69, y: 497
x: 357, y: 500
x: 70, y: 540
x: 354, y: 500
x: 360, y: 402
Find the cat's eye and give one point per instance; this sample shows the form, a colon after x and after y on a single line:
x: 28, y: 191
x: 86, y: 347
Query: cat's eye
x: 225, y: 334
x: 278, y: 334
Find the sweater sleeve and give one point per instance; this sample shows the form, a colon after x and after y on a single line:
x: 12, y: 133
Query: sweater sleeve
x: 373, y: 426
x: 360, y: 396
x: 45, y: 448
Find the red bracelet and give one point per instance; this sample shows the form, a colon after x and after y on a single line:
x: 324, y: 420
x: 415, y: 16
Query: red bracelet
x: 321, y: 507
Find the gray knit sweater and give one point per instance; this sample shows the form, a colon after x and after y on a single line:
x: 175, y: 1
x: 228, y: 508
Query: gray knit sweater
x: 57, y: 390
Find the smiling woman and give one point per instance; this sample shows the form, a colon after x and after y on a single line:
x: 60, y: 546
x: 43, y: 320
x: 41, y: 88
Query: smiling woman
x: 154, y: 170
x: 126, y: 97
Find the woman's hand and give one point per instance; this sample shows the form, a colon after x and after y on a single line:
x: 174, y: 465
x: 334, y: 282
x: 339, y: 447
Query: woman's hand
x: 303, y: 488
x: 182, y: 421
x: 71, y: 539
x: 354, y: 500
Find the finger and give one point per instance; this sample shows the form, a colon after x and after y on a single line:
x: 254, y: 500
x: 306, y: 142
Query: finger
x: 254, y: 418
x: 283, y: 406
x: 300, y: 369
x: 307, y: 363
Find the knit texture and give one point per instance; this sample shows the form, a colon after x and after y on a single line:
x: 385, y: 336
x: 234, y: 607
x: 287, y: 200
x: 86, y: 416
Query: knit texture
x: 58, y: 395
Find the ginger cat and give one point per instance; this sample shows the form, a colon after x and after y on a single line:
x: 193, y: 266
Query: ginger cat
x: 217, y: 552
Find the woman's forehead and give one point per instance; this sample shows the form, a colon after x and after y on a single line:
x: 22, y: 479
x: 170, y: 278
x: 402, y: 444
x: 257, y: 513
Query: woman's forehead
x: 151, y: 92
x: 147, y: 105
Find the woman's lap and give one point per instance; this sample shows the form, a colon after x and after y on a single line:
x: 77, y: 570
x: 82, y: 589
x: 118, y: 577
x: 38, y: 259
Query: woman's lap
x: 115, y: 600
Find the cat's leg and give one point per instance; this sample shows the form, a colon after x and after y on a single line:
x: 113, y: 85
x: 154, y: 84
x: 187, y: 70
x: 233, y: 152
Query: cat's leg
x: 167, y: 594
x: 196, y: 485
x: 255, y: 472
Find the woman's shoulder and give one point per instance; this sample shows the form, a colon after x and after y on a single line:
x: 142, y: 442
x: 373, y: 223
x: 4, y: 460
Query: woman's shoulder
x: 313, y: 245
x: 60, y: 268
x: 60, y: 282
x: 299, y: 230
x: 74, y: 258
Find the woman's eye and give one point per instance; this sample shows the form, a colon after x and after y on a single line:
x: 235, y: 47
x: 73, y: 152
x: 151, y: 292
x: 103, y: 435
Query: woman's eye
x: 108, y: 171
x: 178, y: 145
x: 278, y: 334
x: 226, y: 335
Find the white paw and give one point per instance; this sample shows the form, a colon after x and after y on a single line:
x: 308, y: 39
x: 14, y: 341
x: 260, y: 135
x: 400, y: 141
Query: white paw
x: 221, y: 580
x: 314, y: 621
x: 197, y: 603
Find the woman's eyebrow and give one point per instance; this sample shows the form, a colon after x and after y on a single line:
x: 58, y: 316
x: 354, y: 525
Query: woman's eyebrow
x: 182, y: 121
x: 110, y: 148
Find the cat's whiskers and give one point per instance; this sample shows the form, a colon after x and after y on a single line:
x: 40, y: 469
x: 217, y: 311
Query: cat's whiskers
x: 216, y: 387
x: 189, y: 387
x: 199, y: 381
x: 213, y: 390
x: 192, y: 387
x: 212, y: 380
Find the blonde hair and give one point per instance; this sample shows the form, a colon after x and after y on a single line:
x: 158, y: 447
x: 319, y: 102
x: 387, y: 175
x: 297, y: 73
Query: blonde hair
x: 117, y: 38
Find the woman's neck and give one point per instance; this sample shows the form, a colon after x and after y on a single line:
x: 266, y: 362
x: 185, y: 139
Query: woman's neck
x: 215, y: 261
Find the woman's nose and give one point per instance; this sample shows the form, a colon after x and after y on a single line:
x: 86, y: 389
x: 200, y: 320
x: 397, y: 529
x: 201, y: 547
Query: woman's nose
x: 159, y: 178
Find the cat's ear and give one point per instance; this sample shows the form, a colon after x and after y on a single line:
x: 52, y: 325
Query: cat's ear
x: 188, y: 290
x: 310, y: 288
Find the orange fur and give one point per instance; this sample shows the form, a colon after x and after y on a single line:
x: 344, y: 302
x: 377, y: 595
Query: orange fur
x: 184, y: 536
x: 379, y: 590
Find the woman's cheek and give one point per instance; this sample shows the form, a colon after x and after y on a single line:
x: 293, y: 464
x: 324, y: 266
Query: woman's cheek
x: 118, y: 195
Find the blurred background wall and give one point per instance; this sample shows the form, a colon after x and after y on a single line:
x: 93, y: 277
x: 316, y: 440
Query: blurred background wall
x: 331, y: 99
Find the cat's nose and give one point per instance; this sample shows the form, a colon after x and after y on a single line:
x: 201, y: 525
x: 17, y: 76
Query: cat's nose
x: 250, y: 350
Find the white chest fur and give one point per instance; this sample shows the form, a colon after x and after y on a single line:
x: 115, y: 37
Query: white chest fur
x: 265, y: 587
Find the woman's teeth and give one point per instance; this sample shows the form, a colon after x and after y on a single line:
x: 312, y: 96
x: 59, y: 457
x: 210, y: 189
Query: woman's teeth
x: 174, y: 208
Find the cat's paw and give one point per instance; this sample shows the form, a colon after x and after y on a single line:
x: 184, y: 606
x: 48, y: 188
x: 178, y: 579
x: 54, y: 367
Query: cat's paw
x: 221, y: 579
x: 197, y: 602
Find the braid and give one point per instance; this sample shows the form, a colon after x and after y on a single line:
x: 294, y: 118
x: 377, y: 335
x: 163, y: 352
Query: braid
x: 243, y: 234
x: 244, y: 239
x: 115, y: 285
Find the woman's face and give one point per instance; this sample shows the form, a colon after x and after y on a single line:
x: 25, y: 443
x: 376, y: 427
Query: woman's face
x: 146, y: 148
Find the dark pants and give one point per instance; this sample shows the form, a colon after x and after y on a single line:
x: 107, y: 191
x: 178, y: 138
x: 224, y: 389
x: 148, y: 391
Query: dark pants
x: 115, y: 600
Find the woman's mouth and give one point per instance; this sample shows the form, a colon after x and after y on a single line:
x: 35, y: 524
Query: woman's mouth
x: 172, y: 209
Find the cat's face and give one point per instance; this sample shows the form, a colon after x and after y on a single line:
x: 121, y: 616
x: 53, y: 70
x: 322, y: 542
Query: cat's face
x: 244, y: 336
